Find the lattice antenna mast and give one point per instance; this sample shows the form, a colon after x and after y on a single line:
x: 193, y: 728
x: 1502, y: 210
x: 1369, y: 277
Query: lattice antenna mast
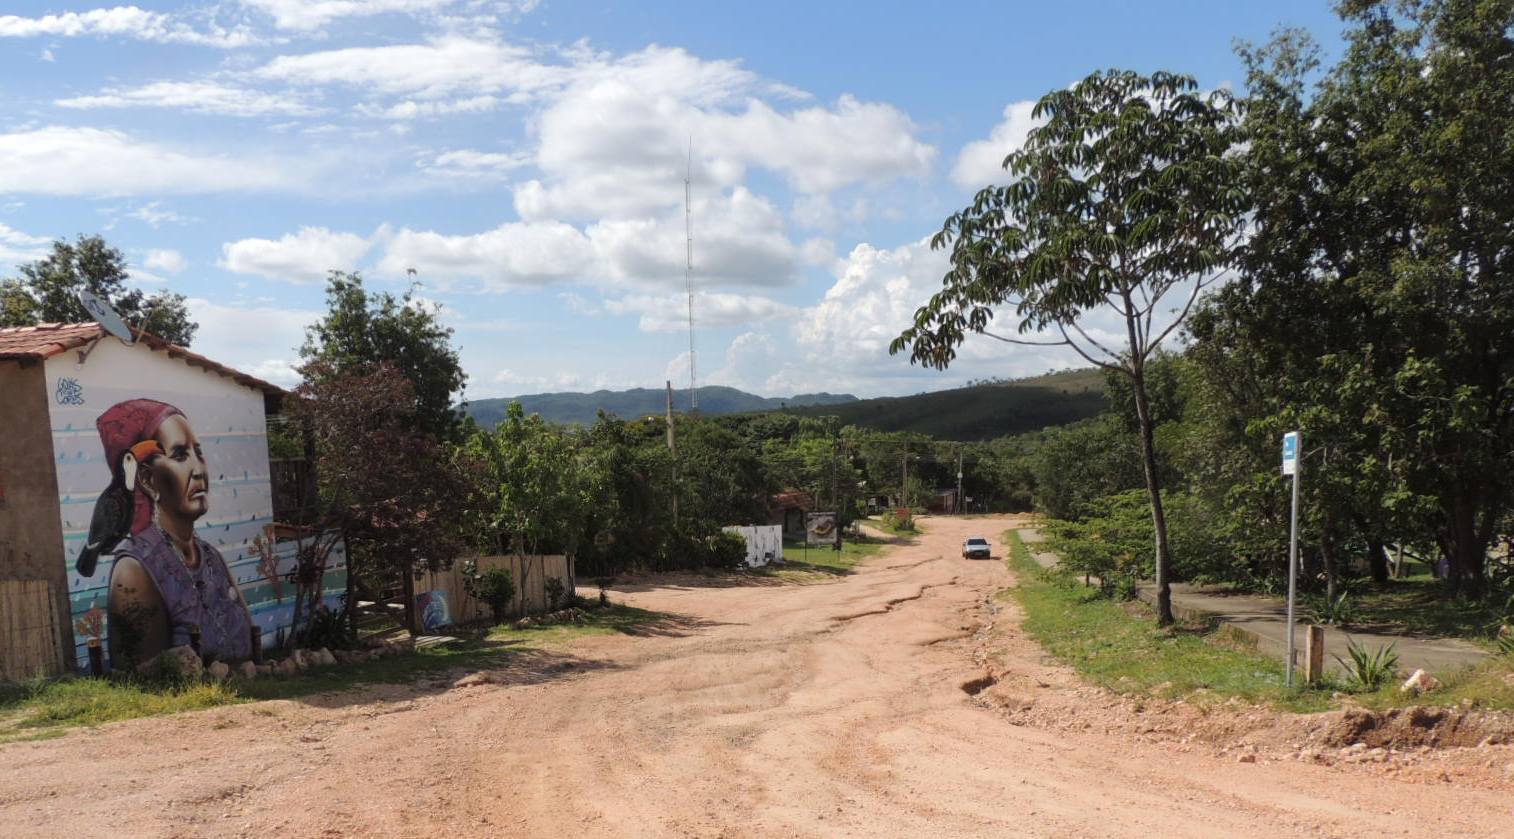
x: 688, y: 271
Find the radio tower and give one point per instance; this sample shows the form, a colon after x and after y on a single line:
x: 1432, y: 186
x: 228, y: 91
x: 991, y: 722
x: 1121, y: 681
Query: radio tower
x: 688, y: 272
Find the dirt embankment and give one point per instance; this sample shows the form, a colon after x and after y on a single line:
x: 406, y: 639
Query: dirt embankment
x: 896, y: 702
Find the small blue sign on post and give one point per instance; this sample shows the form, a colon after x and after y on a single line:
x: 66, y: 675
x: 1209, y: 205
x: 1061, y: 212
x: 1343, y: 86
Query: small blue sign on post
x: 1290, y: 453
x: 1290, y: 467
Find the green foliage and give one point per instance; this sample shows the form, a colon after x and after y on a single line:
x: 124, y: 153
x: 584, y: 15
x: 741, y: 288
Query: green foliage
x: 1111, y: 540
x: 331, y: 629
x: 1370, y: 670
x: 1333, y: 611
x: 495, y: 587
x: 900, y: 521
x: 363, y: 329
x: 1077, y: 464
x: 726, y: 550
x: 48, y: 291
x: 1505, y: 640
x: 554, y: 591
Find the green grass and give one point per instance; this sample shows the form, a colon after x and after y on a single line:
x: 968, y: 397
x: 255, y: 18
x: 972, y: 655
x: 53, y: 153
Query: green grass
x: 813, y: 564
x: 1119, y: 646
x: 880, y: 524
x: 44, y: 709
x: 1420, y: 606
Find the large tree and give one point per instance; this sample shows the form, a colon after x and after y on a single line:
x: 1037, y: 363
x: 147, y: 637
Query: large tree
x: 1121, y: 209
x: 48, y: 292
x: 1377, y: 296
x: 363, y: 329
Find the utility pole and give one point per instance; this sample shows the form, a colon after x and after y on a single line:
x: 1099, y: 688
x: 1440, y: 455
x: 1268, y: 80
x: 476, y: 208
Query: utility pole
x: 673, y: 448
x: 957, y: 502
x: 904, y: 479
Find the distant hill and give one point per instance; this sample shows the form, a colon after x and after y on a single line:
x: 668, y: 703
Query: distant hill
x: 639, y: 402
x: 980, y: 412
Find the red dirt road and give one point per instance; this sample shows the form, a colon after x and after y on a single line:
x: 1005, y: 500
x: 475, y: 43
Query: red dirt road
x: 834, y: 709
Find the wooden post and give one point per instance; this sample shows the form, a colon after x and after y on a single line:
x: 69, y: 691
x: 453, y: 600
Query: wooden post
x: 96, y: 658
x: 1314, y: 654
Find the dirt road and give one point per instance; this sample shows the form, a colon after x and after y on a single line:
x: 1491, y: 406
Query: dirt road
x: 835, y: 709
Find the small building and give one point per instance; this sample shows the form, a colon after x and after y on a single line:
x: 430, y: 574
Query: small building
x: 145, y: 451
x: 787, y: 508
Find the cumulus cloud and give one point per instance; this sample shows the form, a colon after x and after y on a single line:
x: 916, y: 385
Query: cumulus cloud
x: 59, y: 160
x: 669, y: 312
x: 163, y: 259
x: 981, y: 162
x: 512, y: 255
x: 262, y: 341
x: 17, y: 247
x: 123, y: 22
x: 206, y: 97
x: 302, y: 257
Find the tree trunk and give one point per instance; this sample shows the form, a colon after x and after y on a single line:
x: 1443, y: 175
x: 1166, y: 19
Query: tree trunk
x: 1377, y: 559
x: 1154, y: 489
x: 1466, y: 547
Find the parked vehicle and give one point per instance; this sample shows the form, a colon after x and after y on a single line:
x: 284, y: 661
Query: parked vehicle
x: 977, y: 547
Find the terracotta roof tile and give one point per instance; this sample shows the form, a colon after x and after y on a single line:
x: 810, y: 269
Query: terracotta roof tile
x: 46, y: 340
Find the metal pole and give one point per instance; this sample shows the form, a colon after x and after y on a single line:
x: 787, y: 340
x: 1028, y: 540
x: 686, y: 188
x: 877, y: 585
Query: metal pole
x: 1293, y: 559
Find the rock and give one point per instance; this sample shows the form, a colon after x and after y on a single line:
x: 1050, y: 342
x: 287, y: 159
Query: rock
x: 342, y: 656
x: 248, y: 670
x: 1245, y: 757
x: 180, y: 662
x: 324, y: 657
x: 218, y: 671
x: 287, y: 667
x: 524, y: 623
x: 300, y: 658
x: 473, y: 680
x: 402, y: 645
x: 1420, y: 682
x: 265, y: 669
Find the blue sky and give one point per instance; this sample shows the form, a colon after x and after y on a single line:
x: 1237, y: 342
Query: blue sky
x: 526, y: 160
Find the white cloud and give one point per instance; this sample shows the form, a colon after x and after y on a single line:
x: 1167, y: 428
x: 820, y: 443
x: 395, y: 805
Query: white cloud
x: 17, y: 247
x: 513, y: 255
x: 206, y: 97
x: 154, y: 214
x: 262, y: 341
x: 302, y: 257
x: 739, y: 239
x: 981, y: 162
x: 411, y: 109
x: 94, y: 162
x: 123, y: 22
x: 432, y: 70
x: 306, y: 15
x: 750, y: 362
x: 473, y: 165
x: 162, y: 259
x: 669, y: 312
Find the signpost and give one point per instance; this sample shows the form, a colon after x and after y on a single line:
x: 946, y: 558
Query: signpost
x: 1291, y: 467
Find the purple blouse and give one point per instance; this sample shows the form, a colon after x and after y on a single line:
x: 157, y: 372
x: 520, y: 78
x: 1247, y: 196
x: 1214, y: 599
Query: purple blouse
x: 204, y: 597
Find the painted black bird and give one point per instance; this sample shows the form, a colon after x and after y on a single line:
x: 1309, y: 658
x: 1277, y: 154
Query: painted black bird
x: 112, y: 517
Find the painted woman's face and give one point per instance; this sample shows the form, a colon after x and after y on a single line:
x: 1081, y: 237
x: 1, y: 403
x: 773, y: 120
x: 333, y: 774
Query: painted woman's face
x: 179, y: 474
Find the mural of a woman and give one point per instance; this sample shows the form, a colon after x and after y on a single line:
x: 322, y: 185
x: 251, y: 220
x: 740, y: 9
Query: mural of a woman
x: 165, y: 579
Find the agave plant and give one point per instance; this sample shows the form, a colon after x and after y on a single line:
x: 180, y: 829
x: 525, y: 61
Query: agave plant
x: 1370, y: 670
x: 1336, y: 611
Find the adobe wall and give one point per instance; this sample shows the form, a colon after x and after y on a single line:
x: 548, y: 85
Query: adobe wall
x: 31, y: 545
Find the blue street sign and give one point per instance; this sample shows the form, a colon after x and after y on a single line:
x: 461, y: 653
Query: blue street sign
x: 1290, y: 453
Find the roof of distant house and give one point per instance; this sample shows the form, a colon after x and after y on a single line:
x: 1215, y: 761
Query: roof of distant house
x: 45, y: 340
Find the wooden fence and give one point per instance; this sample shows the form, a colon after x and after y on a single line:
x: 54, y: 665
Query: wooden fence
x: 530, y: 575
x: 29, y: 627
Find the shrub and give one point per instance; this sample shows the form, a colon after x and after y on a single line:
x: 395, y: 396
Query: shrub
x: 1370, y: 670
x: 330, y: 628
x: 496, y: 587
x: 900, y: 519
x: 726, y: 550
x: 1334, y: 612
x: 554, y: 589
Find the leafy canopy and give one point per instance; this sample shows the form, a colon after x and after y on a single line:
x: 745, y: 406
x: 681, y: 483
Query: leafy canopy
x: 48, y: 292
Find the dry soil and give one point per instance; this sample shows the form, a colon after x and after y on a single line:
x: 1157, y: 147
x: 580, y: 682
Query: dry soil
x: 900, y: 701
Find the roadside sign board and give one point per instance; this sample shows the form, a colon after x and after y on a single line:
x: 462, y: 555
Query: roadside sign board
x: 1290, y: 453
x: 820, y: 528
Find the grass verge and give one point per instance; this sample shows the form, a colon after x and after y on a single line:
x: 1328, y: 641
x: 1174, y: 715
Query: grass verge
x: 880, y: 524
x: 1117, y: 645
x: 45, y: 709
x: 802, y: 564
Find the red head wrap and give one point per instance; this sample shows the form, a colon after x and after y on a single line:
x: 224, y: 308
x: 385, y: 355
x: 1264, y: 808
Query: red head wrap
x: 123, y: 428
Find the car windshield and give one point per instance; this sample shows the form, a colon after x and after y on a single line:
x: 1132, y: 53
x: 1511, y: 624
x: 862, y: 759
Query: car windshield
x: 977, y: 541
